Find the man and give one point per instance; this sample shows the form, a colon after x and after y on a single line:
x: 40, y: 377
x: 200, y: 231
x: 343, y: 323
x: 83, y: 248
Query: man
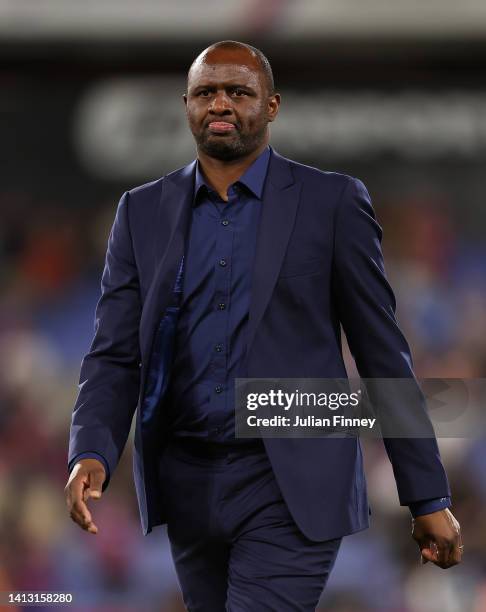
x: 251, y: 261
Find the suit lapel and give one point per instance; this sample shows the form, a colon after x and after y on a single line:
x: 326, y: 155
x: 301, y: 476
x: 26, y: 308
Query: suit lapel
x: 172, y: 224
x: 279, y: 208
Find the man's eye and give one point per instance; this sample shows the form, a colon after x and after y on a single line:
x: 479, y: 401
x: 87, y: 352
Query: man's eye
x: 204, y: 92
x: 239, y: 92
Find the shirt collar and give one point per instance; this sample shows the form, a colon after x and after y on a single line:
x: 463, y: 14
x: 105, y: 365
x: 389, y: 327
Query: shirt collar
x: 253, y: 178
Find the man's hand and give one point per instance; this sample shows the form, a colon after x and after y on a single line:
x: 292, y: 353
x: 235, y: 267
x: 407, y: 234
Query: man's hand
x: 85, y: 481
x: 439, y: 537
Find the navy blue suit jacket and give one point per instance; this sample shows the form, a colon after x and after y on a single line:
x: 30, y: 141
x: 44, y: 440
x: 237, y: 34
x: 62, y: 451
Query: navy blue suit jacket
x: 318, y: 263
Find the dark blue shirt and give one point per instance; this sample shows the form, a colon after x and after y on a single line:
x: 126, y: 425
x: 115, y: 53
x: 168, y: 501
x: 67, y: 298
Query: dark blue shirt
x: 212, y: 327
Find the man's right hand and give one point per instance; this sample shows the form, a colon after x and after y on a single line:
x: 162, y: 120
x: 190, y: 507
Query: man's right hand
x: 85, y: 481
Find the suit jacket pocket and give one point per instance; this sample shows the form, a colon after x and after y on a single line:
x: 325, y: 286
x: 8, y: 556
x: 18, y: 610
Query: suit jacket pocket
x: 159, y: 366
x: 301, y: 268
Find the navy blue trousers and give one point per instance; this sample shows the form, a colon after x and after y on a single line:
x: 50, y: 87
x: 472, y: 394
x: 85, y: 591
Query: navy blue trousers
x: 235, y: 546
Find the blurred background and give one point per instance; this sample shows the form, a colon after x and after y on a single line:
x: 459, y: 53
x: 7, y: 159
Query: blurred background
x: 392, y: 92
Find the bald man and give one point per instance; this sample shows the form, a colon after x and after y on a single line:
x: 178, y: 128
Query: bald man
x: 258, y: 260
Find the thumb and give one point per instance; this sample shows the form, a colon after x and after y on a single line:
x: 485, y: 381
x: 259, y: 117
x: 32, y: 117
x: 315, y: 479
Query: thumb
x: 429, y: 553
x: 423, y: 558
x: 95, y: 484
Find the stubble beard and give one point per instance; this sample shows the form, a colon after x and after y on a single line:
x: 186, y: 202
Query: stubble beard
x: 229, y: 149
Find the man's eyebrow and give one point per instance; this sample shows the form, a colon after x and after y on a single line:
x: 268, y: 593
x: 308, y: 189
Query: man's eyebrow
x: 226, y: 86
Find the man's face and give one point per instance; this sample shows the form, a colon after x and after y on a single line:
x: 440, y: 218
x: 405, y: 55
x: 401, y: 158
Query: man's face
x: 228, y: 105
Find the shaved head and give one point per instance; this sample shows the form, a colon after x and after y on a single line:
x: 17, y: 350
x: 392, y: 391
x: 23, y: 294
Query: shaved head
x: 238, y: 53
x: 230, y: 100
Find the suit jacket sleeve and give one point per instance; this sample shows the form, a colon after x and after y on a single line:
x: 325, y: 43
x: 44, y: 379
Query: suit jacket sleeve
x: 366, y: 308
x: 109, y: 380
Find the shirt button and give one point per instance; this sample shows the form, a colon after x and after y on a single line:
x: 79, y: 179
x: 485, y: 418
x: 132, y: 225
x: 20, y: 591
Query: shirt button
x: 219, y: 348
x: 222, y: 262
x: 222, y: 306
x: 218, y: 389
x: 224, y: 222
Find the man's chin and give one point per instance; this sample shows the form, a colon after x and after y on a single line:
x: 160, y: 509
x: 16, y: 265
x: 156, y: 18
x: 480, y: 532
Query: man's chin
x: 222, y: 148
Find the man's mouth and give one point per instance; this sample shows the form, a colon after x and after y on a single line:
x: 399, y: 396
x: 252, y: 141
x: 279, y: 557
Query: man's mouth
x: 221, y: 127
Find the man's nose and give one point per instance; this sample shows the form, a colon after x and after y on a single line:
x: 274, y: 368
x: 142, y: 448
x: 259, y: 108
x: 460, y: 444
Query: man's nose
x: 221, y: 104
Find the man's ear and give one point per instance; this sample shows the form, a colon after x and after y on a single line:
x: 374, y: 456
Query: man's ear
x: 273, y: 106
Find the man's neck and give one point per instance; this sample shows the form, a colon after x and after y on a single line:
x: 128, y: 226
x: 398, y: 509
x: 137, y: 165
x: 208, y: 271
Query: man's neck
x: 220, y: 174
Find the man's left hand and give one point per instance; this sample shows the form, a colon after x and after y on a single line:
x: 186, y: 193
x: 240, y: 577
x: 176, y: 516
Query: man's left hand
x: 439, y: 537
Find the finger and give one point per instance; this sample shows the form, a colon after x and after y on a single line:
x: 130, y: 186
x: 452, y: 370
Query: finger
x: 88, y: 493
x: 85, y: 523
x: 456, y: 555
x: 79, y: 510
x: 443, y: 552
x: 80, y: 520
x: 81, y: 514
